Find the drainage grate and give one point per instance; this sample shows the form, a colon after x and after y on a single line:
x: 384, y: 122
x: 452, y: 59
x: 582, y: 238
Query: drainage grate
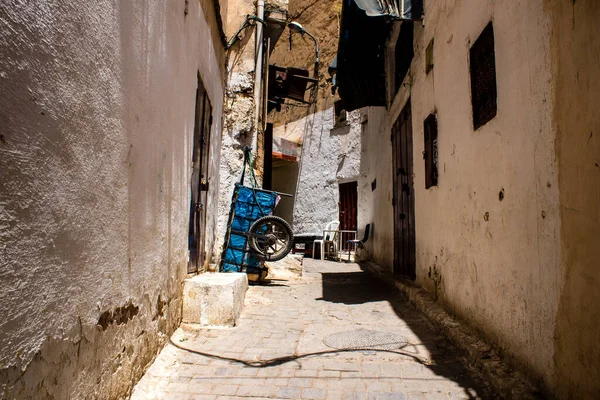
x: 364, y: 339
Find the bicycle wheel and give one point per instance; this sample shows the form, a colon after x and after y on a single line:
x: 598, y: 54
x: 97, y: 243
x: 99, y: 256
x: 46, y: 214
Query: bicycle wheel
x: 271, y: 237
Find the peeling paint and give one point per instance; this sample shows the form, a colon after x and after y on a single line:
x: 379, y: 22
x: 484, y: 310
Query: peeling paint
x: 119, y: 316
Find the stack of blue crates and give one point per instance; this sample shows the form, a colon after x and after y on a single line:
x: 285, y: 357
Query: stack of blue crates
x: 247, y: 206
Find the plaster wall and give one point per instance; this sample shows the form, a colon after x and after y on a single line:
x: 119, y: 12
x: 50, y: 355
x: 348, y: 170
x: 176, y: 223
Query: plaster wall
x: 575, y: 57
x: 493, y: 262
x: 242, y: 125
x: 323, y: 160
x: 96, y: 123
x: 239, y: 115
x: 375, y: 206
x: 285, y: 180
x: 329, y: 156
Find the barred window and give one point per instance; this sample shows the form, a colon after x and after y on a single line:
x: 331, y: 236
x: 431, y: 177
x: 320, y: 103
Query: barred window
x: 430, y: 155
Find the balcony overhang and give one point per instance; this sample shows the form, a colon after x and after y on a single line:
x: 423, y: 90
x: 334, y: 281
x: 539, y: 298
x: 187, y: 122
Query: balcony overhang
x: 360, y: 63
x: 395, y: 9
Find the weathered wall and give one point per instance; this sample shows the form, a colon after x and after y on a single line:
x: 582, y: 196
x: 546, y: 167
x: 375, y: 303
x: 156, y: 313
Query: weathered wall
x: 321, y: 19
x: 96, y: 117
x: 501, y: 275
x: 285, y: 180
x: 329, y: 156
x: 575, y: 56
x: 240, y: 115
x: 375, y: 206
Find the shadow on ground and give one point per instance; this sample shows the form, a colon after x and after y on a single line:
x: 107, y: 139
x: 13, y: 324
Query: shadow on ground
x: 362, y: 287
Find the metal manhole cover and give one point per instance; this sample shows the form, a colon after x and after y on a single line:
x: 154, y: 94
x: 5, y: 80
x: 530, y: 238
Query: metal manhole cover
x: 364, y: 339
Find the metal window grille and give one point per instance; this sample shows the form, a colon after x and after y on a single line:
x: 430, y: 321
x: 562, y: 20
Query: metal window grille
x: 430, y: 153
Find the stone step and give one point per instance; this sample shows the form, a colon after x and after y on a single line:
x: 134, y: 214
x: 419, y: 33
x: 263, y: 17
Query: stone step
x: 214, y: 299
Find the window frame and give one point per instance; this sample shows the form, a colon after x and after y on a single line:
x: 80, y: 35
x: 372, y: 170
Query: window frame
x: 430, y: 150
x: 484, y: 86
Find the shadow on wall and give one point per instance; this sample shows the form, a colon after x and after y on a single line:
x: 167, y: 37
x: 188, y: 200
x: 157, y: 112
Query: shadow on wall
x: 576, y: 349
x: 285, y: 180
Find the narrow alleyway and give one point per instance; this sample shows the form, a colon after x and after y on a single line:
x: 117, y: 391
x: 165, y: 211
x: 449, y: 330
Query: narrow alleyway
x: 278, y: 349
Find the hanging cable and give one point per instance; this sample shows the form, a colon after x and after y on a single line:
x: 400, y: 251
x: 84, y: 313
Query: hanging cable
x: 251, y: 20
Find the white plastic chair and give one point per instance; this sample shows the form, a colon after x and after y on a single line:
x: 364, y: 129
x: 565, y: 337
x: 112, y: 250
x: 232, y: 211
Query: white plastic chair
x: 329, y: 239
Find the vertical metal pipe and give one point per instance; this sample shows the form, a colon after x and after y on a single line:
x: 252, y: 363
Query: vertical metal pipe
x: 260, y: 13
x: 265, y: 92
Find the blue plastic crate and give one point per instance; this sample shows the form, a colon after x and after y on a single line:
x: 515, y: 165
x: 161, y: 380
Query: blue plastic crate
x: 247, y: 206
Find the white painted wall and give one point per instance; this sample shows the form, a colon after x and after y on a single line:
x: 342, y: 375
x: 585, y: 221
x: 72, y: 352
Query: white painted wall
x: 501, y: 275
x: 375, y: 206
x: 329, y: 156
x: 96, y: 124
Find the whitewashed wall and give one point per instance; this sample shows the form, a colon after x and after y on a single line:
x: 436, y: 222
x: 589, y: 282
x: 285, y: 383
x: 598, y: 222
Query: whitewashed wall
x: 96, y: 125
x: 329, y: 156
x: 502, y: 275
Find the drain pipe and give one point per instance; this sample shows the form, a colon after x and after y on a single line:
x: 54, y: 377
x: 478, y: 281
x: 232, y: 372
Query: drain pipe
x: 260, y: 13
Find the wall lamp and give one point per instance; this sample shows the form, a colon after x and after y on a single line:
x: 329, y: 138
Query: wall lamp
x: 298, y: 28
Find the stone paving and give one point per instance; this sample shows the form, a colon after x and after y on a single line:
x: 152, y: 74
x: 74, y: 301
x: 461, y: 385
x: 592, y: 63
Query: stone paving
x: 277, y: 350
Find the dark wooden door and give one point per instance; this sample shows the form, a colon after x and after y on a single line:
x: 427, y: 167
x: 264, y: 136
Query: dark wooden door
x: 348, y: 210
x: 200, y: 180
x: 404, y: 195
x: 204, y: 181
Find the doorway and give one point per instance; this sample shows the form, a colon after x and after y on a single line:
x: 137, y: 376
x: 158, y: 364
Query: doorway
x: 348, y: 211
x: 403, y: 200
x: 268, y: 158
x: 200, y: 180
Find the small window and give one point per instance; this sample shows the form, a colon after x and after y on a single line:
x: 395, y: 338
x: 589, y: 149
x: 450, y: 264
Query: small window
x: 429, y: 57
x: 430, y: 155
x: 484, y: 94
x: 341, y: 118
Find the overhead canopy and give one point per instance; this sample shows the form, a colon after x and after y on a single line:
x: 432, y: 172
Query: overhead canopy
x: 396, y: 9
x: 360, y: 63
x: 360, y: 74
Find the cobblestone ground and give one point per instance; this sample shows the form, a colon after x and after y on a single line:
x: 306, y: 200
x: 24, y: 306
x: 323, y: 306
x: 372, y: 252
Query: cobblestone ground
x: 277, y: 350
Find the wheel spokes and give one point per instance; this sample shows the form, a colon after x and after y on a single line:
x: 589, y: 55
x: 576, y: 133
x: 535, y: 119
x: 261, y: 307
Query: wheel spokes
x: 271, y: 239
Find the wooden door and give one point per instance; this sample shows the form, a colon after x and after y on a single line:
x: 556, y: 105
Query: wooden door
x: 403, y: 195
x: 200, y: 180
x: 348, y: 210
x: 204, y: 180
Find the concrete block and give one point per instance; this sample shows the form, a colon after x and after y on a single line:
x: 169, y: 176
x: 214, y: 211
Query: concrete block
x: 214, y: 299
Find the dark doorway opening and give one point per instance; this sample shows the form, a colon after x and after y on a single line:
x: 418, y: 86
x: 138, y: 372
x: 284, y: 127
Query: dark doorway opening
x: 404, y: 195
x: 200, y: 180
x: 285, y: 180
x: 268, y: 157
x: 348, y: 211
